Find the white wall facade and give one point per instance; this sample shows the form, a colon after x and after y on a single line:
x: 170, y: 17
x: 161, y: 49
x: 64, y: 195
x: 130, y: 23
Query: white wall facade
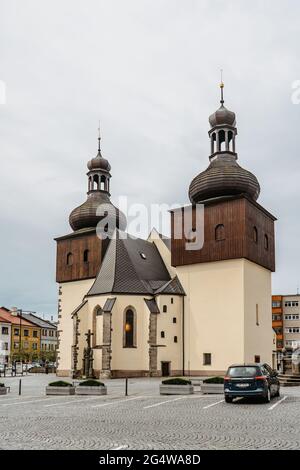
x: 5, y: 341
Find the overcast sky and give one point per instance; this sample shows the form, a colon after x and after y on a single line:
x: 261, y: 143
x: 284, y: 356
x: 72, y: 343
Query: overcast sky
x: 149, y: 69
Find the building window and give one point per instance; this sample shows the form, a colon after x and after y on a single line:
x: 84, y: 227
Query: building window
x: 16, y: 332
x: 291, y: 317
x: 266, y: 242
x: 165, y: 308
x: 25, y: 345
x: 277, y: 317
x: 207, y: 359
x: 175, y: 339
x: 35, y: 334
x: 96, y: 313
x: 69, y: 259
x: 4, y: 330
x: 162, y: 334
x: 129, y: 329
x: 292, y: 330
x: 172, y: 300
x: 255, y: 235
x: 174, y: 320
x: 257, y: 316
x: 276, y: 304
x: 26, y: 333
x: 257, y: 359
x: 220, y: 232
x: 86, y: 256
x: 5, y: 346
x: 291, y: 304
x: 34, y: 346
x: 16, y: 345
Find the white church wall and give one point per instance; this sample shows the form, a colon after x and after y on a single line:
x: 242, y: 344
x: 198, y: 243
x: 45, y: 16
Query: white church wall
x: 71, y: 296
x: 258, y: 309
x: 214, y: 315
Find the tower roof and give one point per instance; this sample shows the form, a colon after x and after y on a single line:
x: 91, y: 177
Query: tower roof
x: 224, y: 176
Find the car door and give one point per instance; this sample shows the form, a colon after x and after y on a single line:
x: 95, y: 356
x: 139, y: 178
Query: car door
x: 271, y: 379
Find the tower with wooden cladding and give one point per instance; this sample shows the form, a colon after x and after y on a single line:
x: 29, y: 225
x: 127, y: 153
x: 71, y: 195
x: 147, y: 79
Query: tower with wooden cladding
x: 80, y: 253
x: 228, y: 280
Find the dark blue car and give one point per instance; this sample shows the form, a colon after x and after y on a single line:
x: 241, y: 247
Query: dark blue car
x: 251, y: 380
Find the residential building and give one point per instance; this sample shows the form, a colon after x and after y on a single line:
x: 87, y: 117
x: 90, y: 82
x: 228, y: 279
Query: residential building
x: 25, y: 336
x: 286, y: 320
x: 155, y: 307
x: 48, y: 333
x: 5, y: 340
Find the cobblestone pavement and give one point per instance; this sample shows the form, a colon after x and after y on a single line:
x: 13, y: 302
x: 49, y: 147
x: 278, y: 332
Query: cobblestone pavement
x: 144, y: 420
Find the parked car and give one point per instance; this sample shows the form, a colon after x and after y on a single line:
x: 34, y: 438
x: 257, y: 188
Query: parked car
x: 251, y: 380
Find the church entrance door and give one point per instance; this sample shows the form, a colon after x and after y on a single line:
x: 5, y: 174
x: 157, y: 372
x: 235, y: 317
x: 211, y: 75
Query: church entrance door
x: 165, y: 369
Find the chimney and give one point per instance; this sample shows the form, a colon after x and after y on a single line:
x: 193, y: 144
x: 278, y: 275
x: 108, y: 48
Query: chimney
x: 14, y: 311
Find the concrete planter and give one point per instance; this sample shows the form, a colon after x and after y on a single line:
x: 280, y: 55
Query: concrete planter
x: 60, y: 390
x: 3, y: 390
x: 96, y: 390
x: 212, y: 388
x: 176, y: 389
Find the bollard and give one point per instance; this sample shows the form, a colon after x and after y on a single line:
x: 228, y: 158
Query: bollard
x: 126, y: 387
x: 20, y: 387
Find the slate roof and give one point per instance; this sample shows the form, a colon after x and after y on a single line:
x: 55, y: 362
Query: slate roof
x: 152, y: 305
x: 132, y: 266
x: 108, y: 306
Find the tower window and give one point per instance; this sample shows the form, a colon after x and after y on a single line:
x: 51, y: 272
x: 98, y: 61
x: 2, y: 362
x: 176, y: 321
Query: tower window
x: 255, y: 235
x: 162, y: 334
x: 266, y: 242
x: 86, y: 256
x: 69, y: 259
x: 174, y: 320
x: 172, y: 300
x: 165, y: 309
x: 175, y: 339
x: 220, y: 232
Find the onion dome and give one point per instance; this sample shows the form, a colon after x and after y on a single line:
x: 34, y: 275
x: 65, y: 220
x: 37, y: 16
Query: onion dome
x: 98, y: 202
x: 98, y: 206
x: 224, y: 176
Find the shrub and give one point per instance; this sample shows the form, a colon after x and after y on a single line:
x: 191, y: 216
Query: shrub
x: 60, y: 383
x: 176, y: 381
x: 91, y: 383
x: 214, y: 380
x: 2, y: 385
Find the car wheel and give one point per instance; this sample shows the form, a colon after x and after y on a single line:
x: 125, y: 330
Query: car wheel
x: 228, y: 399
x: 268, y: 396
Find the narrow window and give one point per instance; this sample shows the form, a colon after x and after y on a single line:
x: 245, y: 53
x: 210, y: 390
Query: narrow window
x: 257, y: 315
x: 69, y: 259
x: 86, y: 256
x: 165, y: 309
x: 220, y: 232
x: 162, y: 334
x: 257, y: 359
x: 174, y: 320
x: 266, y: 243
x: 175, y: 339
x: 255, y: 235
x: 129, y: 329
x: 172, y: 300
x: 206, y: 359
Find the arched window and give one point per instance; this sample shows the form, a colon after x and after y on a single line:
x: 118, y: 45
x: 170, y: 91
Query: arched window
x: 86, y: 256
x: 103, y: 183
x: 255, y: 235
x: 96, y: 181
x: 129, y: 337
x: 69, y: 259
x: 266, y: 242
x: 220, y: 232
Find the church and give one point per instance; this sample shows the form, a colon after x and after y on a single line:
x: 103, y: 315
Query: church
x: 155, y: 308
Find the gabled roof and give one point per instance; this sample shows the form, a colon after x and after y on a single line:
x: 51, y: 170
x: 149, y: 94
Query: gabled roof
x: 14, y: 319
x: 130, y: 266
x: 152, y: 305
x: 171, y: 287
x: 109, y: 304
x: 3, y: 320
x: 40, y: 322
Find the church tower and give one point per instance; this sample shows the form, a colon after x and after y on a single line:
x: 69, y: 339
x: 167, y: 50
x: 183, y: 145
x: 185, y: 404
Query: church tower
x: 80, y: 253
x: 228, y: 280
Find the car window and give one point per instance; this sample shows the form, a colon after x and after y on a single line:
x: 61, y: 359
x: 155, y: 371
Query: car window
x: 242, y: 371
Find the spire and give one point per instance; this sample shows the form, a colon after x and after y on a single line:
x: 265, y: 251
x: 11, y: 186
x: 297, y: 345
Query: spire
x: 99, y: 139
x: 222, y: 87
